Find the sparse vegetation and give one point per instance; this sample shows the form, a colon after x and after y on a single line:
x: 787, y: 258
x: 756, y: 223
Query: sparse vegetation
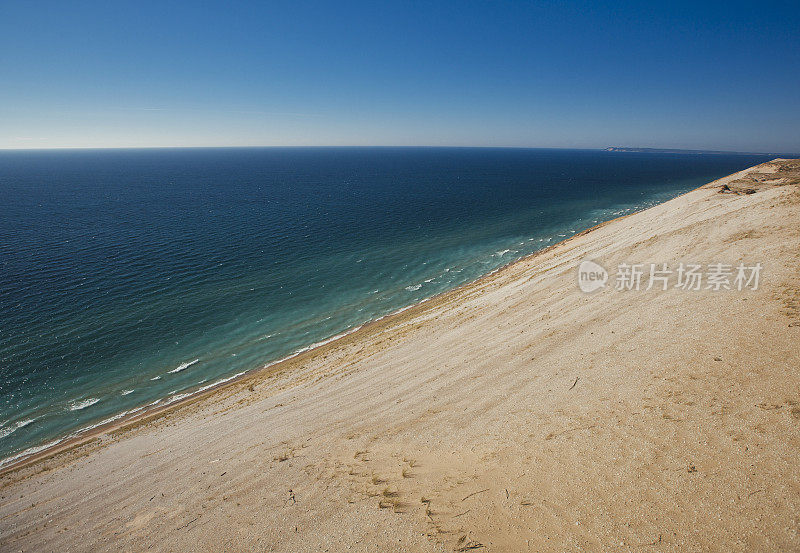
x: 285, y: 456
x: 393, y: 504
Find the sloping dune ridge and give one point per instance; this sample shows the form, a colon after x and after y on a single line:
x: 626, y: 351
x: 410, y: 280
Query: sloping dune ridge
x: 516, y: 413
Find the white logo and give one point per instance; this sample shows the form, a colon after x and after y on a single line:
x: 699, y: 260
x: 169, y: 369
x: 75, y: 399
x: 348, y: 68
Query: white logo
x: 591, y: 276
x: 636, y: 277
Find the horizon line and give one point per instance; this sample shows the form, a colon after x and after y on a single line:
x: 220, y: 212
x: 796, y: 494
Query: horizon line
x: 616, y: 149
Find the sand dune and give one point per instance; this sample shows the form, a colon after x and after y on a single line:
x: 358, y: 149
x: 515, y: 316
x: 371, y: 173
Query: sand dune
x: 513, y: 414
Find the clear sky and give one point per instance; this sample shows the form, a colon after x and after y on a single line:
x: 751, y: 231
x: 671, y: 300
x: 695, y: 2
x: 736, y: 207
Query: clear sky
x: 542, y: 74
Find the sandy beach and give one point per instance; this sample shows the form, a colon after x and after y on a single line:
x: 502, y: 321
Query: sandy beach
x: 516, y: 413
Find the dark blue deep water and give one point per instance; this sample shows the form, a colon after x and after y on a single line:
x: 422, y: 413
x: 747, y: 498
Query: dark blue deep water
x: 131, y: 276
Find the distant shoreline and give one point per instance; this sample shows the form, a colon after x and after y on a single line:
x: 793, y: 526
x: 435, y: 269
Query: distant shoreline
x: 694, y: 152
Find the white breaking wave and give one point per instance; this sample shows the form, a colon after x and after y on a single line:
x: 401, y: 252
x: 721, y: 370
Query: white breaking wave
x: 108, y: 420
x: 208, y: 386
x: 126, y: 392
x: 33, y: 450
x: 182, y: 366
x: 322, y: 342
x: 413, y: 287
x: 6, y: 430
x: 28, y: 452
x: 83, y: 404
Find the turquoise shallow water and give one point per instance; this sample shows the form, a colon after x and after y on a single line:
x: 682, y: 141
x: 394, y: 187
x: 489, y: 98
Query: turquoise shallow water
x: 131, y: 277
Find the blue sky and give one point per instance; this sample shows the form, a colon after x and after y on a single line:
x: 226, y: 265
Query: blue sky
x: 539, y: 74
